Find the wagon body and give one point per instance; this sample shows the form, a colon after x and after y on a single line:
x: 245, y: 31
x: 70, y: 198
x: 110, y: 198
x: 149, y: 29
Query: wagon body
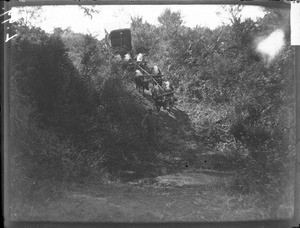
x: 121, y: 41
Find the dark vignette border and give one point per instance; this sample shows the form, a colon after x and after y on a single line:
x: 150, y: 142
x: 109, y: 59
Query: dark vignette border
x: 5, y: 71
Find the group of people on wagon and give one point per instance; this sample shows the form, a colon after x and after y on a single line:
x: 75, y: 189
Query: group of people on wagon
x: 150, y: 78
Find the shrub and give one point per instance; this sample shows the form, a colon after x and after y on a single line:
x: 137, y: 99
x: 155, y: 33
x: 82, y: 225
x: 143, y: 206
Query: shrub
x: 35, y: 153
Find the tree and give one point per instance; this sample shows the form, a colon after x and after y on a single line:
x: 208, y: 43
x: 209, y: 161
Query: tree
x: 89, y: 11
x: 144, y: 36
x: 170, y: 22
x: 234, y: 13
x: 171, y: 38
x: 91, y: 58
x: 30, y: 15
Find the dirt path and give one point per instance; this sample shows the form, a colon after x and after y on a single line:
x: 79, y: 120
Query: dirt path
x: 178, y: 197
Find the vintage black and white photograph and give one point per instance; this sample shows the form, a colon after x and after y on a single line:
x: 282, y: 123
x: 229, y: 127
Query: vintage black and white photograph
x: 151, y: 113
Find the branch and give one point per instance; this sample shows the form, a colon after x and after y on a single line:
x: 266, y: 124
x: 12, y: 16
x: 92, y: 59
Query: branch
x: 89, y: 10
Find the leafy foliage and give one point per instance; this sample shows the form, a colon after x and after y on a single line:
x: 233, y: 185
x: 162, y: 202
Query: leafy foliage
x: 71, y: 120
x: 81, y: 119
x: 144, y: 37
x: 221, y: 67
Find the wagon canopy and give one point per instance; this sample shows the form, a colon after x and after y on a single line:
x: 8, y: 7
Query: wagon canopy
x: 121, y: 40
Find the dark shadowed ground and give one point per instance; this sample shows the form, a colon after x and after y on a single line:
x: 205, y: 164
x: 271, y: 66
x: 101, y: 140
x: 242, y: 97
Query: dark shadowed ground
x: 183, y: 187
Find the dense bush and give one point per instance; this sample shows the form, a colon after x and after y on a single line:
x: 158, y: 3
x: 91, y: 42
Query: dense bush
x: 35, y: 153
x: 80, y: 117
x: 52, y: 112
x: 243, y: 102
x: 70, y: 123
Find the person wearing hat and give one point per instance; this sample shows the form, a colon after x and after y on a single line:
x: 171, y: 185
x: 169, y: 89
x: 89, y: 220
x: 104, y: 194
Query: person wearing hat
x: 149, y: 125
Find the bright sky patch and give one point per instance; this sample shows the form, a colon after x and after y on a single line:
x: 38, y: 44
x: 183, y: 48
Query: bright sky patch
x: 113, y: 17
